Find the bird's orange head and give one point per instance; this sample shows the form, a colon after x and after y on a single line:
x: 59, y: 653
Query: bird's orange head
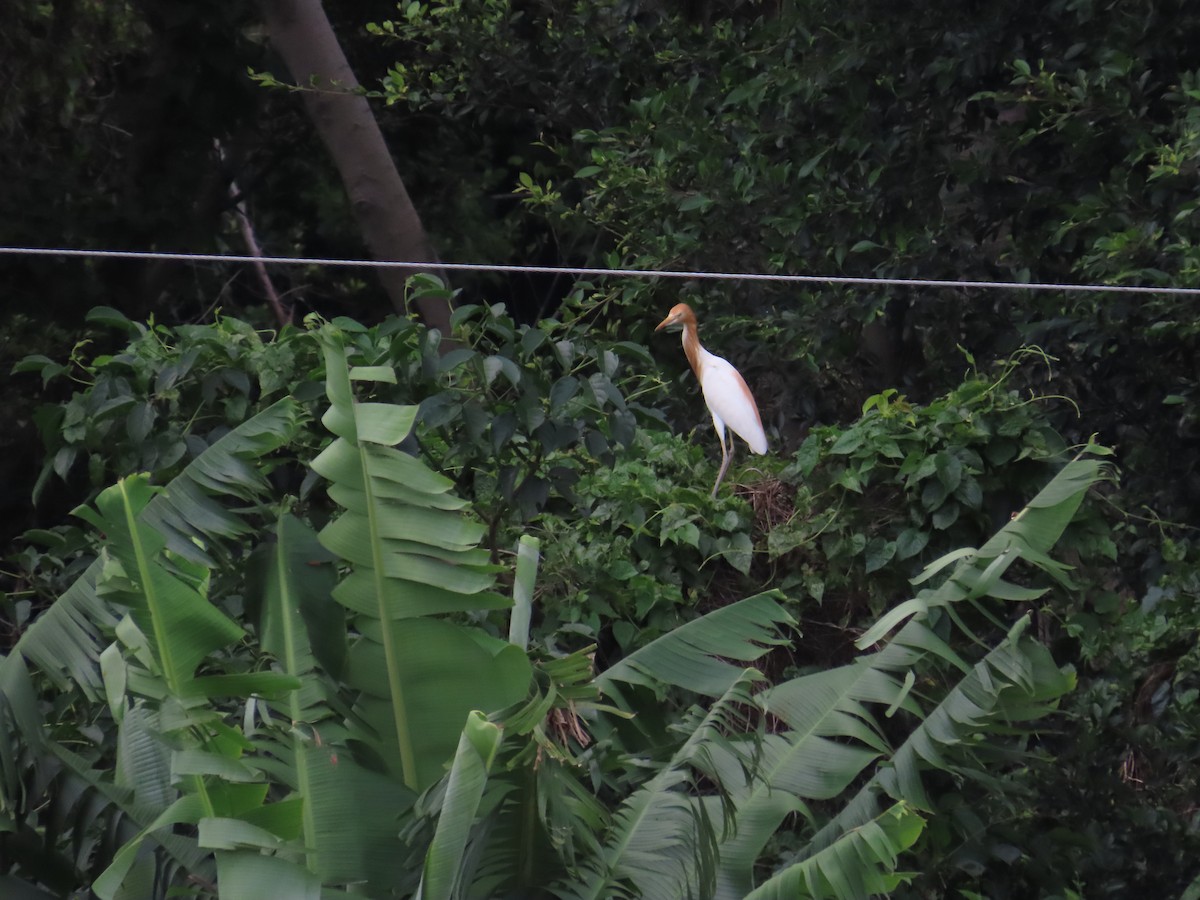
x: 680, y: 316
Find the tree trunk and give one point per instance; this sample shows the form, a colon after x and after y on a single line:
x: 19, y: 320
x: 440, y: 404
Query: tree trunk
x: 301, y: 34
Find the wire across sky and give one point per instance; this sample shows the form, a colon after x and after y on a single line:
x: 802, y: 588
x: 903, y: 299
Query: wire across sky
x: 589, y: 272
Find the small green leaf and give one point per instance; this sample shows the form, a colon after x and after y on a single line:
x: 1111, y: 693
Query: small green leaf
x: 384, y: 374
x: 504, y: 426
x: 933, y: 495
x: 106, y: 315
x: 910, y: 542
x: 455, y: 358
x: 686, y: 533
x: 564, y: 389
x: 949, y: 469
x: 848, y: 442
x: 531, y: 339
x: 850, y: 481
x: 923, y: 469
x: 491, y: 368
x: 946, y: 516
x: 807, y: 169
x: 695, y: 201
x: 510, y: 370
x: 139, y: 422
x: 865, y: 245
x: 33, y: 363
x: 969, y: 493
x: 879, y: 553
x: 815, y: 587
x: 462, y: 314
x: 809, y: 454
x: 63, y: 460
x: 740, y: 553
x: 565, y: 351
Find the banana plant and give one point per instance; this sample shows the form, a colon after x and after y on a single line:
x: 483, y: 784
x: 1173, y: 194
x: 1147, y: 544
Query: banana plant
x: 830, y: 731
x: 71, y: 646
x: 378, y: 716
x: 366, y: 722
x: 697, y: 823
x: 366, y: 733
x: 169, y: 723
x: 414, y: 557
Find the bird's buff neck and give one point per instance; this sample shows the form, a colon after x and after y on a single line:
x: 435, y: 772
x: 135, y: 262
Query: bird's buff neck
x: 691, y: 347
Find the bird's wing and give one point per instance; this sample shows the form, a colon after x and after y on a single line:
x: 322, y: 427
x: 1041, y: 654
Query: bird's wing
x: 729, y: 398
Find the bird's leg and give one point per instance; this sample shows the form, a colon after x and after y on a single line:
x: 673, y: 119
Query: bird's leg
x: 726, y: 458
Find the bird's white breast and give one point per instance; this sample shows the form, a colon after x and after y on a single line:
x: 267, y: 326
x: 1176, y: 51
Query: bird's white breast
x: 730, y: 400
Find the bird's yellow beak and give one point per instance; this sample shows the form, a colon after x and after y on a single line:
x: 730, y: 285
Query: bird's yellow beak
x: 667, y: 323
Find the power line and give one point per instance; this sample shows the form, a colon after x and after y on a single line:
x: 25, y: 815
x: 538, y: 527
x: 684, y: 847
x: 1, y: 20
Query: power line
x: 857, y: 281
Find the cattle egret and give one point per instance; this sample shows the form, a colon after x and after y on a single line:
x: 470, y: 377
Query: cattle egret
x: 729, y: 400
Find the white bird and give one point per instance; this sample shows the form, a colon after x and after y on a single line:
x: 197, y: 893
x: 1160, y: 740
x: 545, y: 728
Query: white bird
x: 725, y: 391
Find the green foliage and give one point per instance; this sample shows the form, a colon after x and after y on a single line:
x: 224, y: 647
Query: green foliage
x: 77, y: 645
x: 1033, y: 142
x: 165, y: 397
x: 110, y: 109
x: 308, y: 745
x: 543, y: 401
x: 651, y: 545
x: 861, y: 863
x: 464, y: 790
x: 1011, y: 683
x: 1135, y: 714
x: 414, y: 553
x: 518, y: 413
x: 494, y: 138
x: 830, y: 732
x: 904, y: 482
x: 1025, y: 141
x: 65, y: 640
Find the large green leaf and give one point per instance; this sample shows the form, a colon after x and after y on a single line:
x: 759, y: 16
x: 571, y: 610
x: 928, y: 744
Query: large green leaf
x: 357, y: 816
x: 247, y: 875
x: 182, y: 627
x: 1028, y: 537
x: 192, y: 510
x: 190, y: 518
x: 65, y: 641
x: 188, y: 809
x: 144, y: 760
x: 663, y: 839
x: 1016, y: 682
x: 413, y: 554
x: 540, y: 816
x: 464, y: 789
x: 290, y: 586
x: 693, y: 655
x: 441, y: 669
x: 832, y: 736
x: 524, y: 579
x: 862, y: 863
x: 289, y: 592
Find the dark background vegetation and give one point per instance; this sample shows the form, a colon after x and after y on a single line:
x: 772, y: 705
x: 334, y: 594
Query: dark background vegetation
x: 1027, y: 141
